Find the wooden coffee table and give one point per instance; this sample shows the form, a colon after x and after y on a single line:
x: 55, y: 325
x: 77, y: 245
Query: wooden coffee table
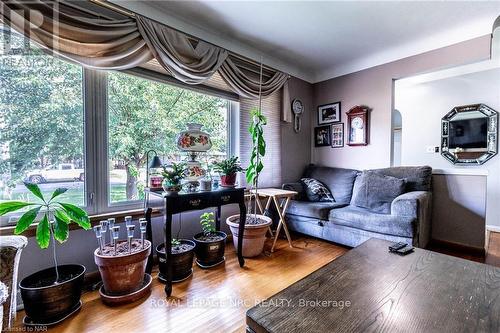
x: 371, y: 290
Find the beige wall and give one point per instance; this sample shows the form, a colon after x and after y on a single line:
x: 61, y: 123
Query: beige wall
x: 373, y: 87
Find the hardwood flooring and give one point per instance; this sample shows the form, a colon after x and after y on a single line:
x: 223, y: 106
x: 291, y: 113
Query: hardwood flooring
x: 216, y: 300
x: 213, y: 300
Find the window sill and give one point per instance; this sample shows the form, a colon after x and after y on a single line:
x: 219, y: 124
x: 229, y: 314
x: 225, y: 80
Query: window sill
x: 94, y: 220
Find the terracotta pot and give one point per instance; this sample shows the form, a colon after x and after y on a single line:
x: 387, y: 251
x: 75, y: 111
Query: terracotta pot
x: 42, y: 303
x: 123, y: 274
x: 253, y: 237
x: 182, y: 263
x: 228, y: 180
x: 210, y: 253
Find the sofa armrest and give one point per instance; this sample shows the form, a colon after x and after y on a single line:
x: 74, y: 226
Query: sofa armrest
x: 416, y: 204
x: 297, y: 187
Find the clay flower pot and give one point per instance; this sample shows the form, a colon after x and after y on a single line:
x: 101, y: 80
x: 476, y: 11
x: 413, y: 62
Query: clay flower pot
x: 228, y: 180
x: 254, y: 235
x: 123, y: 274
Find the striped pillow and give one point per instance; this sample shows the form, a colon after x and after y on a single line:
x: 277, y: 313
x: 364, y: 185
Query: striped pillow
x: 317, y: 191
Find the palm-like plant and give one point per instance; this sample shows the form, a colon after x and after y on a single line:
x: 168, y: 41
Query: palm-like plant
x: 57, y: 228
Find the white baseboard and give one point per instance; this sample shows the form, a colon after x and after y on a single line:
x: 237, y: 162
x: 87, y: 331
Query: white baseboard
x: 493, y: 228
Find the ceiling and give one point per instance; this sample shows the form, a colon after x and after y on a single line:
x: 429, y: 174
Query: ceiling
x: 319, y: 40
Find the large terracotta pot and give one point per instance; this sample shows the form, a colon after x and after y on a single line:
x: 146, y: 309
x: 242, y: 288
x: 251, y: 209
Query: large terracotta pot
x: 253, y: 237
x: 44, y: 301
x: 123, y: 274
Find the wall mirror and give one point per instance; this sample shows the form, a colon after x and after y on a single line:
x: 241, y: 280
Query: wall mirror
x: 469, y: 134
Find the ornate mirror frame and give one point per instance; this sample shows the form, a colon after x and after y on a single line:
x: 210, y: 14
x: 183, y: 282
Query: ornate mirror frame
x: 492, y: 142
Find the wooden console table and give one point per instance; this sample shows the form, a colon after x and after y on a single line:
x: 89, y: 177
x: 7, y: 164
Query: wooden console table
x: 186, y: 201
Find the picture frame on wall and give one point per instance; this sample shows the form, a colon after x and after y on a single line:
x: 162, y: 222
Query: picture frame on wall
x: 338, y: 135
x: 322, y: 136
x: 357, y: 122
x: 329, y: 113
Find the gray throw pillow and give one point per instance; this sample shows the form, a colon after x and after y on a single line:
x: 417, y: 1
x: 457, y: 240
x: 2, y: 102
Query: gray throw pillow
x: 316, y: 191
x: 376, y: 192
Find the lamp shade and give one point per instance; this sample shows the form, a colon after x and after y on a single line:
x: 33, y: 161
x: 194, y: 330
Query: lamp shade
x: 193, y: 139
x: 155, y: 163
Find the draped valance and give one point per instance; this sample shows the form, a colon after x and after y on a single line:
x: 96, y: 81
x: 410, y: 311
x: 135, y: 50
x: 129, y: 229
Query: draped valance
x: 108, y: 43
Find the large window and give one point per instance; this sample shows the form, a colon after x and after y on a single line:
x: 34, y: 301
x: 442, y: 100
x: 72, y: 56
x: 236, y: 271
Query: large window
x: 59, y: 128
x: 144, y: 115
x: 41, y: 122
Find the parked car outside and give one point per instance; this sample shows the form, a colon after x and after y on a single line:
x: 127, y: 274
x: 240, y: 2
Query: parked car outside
x: 56, y: 173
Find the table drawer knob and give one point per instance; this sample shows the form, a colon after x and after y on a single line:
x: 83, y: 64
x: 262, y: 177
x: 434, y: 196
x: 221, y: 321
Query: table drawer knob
x: 321, y: 224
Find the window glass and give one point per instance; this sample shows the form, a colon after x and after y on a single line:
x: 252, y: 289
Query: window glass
x: 41, y: 122
x: 146, y: 115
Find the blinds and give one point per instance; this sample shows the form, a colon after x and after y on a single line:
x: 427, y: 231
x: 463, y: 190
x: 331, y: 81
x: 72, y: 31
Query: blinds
x: 271, y: 106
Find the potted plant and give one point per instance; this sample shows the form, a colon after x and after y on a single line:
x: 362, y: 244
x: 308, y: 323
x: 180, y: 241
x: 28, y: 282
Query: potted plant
x: 122, y: 265
x: 255, y: 225
x: 182, y: 260
x: 172, y: 176
x: 210, y: 244
x: 228, y: 169
x: 54, y: 293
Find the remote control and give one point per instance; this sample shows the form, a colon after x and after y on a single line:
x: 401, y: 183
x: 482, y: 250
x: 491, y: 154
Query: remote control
x: 405, y: 250
x: 397, y: 246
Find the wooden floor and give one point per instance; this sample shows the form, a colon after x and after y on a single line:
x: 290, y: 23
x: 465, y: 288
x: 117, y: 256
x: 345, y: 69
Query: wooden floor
x: 216, y: 300
x: 213, y: 300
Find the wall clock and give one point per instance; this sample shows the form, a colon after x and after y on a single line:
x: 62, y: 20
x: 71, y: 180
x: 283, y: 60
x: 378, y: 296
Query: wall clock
x: 297, y: 109
x: 357, y: 121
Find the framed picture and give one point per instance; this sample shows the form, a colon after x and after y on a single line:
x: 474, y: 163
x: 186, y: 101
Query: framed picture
x: 322, y: 136
x: 329, y: 113
x: 338, y: 135
x: 357, y: 121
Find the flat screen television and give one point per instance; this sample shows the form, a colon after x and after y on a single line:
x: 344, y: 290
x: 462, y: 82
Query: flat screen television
x: 468, y: 133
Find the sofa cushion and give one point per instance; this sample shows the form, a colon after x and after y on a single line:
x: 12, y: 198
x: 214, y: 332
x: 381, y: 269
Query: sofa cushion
x: 339, y: 181
x: 360, y: 218
x: 417, y: 178
x: 316, y: 191
x: 376, y: 192
x: 318, y: 210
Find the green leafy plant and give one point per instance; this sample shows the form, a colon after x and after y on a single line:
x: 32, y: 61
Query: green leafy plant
x: 174, y: 173
x: 228, y: 166
x: 207, y: 222
x: 175, y: 242
x: 57, y: 228
x: 256, y: 129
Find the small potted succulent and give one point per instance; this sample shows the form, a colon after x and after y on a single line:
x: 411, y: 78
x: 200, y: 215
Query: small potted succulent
x: 210, y: 244
x: 52, y: 294
x: 182, y: 259
x: 227, y: 169
x: 172, y: 176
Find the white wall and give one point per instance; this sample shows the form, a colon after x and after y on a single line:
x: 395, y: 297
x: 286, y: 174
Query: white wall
x: 423, y: 101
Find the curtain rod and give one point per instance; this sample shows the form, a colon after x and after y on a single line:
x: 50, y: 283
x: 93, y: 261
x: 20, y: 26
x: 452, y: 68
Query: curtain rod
x: 131, y: 14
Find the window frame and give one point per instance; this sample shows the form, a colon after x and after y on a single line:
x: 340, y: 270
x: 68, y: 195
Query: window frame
x: 100, y: 182
x: 96, y: 151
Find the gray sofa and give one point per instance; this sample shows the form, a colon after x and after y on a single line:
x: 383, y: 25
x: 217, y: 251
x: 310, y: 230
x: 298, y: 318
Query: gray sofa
x: 341, y: 222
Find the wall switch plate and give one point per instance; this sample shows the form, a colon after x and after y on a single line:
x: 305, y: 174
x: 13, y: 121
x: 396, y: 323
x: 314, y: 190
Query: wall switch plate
x: 430, y: 149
